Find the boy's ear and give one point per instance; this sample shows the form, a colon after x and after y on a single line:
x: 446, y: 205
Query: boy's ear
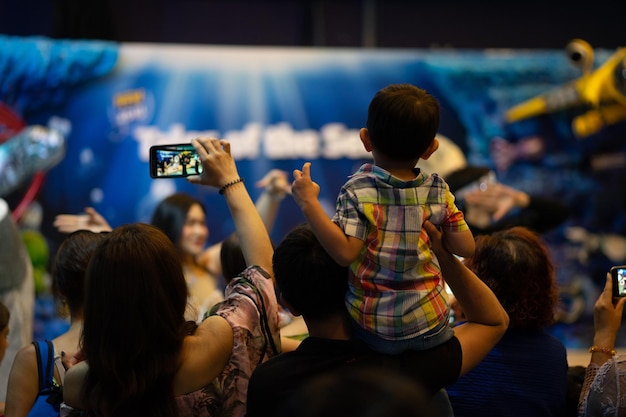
x: 286, y: 303
x: 434, y: 145
x: 365, y: 139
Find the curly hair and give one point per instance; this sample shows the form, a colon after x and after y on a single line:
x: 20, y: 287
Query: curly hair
x: 516, y: 264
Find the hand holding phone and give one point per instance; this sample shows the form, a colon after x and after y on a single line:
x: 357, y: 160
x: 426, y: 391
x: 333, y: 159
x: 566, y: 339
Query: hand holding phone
x: 174, y: 161
x: 618, y: 274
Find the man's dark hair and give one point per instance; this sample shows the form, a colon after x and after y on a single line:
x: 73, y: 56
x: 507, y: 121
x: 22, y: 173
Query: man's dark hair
x: 306, y: 275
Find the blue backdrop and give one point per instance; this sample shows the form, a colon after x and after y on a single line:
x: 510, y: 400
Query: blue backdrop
x: 281, y: 107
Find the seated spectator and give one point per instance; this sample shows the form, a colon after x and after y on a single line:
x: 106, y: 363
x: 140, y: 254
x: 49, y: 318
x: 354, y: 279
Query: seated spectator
x: 313, y: 285
x: 142, y: 357
x: 526, y: 373
x: 17, y: 290
x: 25, y: 396
x: 604, y: 386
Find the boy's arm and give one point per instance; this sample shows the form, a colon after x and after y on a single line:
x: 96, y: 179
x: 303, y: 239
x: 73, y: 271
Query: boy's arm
x: 460, y: 243
x: 486, y: 318
x: 343, y: 249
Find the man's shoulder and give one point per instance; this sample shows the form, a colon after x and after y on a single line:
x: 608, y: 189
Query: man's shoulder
x: 312, y: 356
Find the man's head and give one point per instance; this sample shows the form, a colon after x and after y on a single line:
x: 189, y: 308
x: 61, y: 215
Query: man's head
x: 311, y: 283
x: 402, y: 121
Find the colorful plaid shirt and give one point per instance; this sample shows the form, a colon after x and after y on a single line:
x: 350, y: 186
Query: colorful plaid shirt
x: 395, y: 286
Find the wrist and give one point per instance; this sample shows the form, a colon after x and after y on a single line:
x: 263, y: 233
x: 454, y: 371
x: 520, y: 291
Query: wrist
x: 230, y: 185
x: 606, y: 350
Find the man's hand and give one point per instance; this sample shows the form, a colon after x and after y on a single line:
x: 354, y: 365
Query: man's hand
x: 436, y: 238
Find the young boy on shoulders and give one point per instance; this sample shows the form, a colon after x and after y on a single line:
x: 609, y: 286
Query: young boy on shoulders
x: 396, y: 294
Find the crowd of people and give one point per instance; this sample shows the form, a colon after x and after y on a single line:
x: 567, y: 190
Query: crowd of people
x: 163, y: 324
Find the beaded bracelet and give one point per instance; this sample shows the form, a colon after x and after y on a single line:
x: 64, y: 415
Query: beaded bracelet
x: 593, y: 349
x: 233, y: 182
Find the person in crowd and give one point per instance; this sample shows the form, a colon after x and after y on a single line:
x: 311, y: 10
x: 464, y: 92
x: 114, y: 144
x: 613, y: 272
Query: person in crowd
x: 490, y: 206
x: 312, y: 284
x: 68, y: 279
x: 526, y: 373
x: 604, y: 388
x: 142, y: 356
x: 5, y: 315
x: 396, y: 291
x: 17, y: 290
x: 360, y: 392
x: 183, y: 219
x: 233, y: 262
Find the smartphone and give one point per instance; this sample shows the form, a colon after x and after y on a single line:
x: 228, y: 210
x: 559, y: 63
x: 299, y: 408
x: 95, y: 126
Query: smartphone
x: 618, y: 273
x: 174, y: 161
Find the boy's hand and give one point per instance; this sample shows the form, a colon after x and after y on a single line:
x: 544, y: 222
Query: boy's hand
x: 303, y: 189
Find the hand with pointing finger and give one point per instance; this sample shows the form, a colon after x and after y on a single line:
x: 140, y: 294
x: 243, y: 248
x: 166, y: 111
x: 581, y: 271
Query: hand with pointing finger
x: 304, y: 190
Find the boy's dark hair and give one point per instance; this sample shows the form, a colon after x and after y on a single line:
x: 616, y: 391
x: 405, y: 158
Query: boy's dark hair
x: 306, y: 275
x: 402, y: 121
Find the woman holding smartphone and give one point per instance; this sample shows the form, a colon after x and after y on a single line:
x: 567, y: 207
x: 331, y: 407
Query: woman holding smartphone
x: 183, y: 219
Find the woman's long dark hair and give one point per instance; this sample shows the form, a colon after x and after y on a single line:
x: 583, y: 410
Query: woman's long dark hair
x: 135, y: 298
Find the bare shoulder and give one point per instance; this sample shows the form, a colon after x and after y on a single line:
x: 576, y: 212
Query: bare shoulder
x: 26, y: 358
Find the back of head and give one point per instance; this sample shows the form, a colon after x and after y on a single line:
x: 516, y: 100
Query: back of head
x: 231, y: 258
x: 360, y: 392
x: 70, y: 267
x: 135, y: 299
x: 402, y: 121
x: 307, y: 277
x: 516, y: 265
x: 170, y: 214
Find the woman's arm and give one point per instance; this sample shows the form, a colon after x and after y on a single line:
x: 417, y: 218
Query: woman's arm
x: 23, y: 385
x: 275, y: 188
x: 607, y: 319
x: 91, y: 220
x: 486, y: 319
x: 204, y: 355
x: 219, y: 170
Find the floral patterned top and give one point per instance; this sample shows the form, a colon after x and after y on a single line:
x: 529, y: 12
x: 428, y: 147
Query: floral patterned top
x: 250, y: 307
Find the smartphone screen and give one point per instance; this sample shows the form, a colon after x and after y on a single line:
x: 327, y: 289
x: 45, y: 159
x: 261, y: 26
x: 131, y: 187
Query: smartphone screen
x: 618, y: 273
x: 172, y: 161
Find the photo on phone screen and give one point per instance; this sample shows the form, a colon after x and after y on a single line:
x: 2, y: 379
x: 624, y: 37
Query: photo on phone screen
x: 176, y: 160
x: 618, y: 273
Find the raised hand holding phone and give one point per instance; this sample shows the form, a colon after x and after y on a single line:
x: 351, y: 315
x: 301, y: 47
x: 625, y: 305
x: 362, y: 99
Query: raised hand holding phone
x: 174, y: 161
